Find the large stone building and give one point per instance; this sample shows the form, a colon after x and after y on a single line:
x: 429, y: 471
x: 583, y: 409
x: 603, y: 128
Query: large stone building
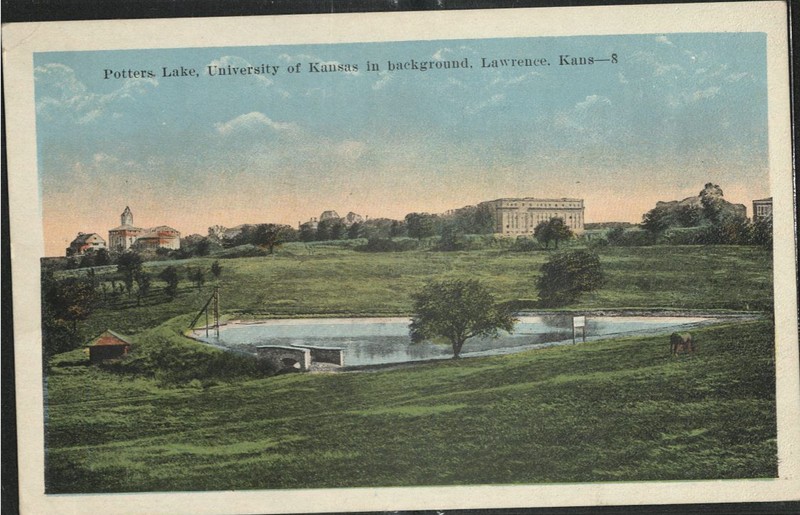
x: 128, y: 236
x: 520, y: 216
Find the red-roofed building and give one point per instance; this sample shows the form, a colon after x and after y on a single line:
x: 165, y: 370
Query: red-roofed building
x: 162, y: 236
x: 85, y: 242
x: 108, y: 345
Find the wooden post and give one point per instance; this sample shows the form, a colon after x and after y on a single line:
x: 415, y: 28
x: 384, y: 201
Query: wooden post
x: 216, y: 310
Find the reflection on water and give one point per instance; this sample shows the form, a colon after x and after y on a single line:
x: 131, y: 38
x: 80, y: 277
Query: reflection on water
x: 369, y: 341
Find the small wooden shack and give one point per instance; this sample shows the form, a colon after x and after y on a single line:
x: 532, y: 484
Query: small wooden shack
x: 107, y: 346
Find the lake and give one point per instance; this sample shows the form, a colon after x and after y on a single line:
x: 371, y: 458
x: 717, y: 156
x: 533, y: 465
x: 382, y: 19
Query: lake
x: 372, y: 341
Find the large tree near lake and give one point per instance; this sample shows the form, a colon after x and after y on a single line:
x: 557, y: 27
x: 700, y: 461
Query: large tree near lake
x: 568, y: 274
x: 456, y: 310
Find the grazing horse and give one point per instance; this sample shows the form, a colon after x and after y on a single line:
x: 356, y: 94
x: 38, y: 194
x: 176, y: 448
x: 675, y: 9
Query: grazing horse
x: 681, y: 342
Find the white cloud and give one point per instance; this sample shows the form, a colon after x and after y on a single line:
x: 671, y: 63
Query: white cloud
x: 251, y: 122
x: 491, y: 101
x: 736, y: 77
x: 102, y: 157
x: 385, y: 78
x: 589, y: 116
x: 350, y: 149
x: 62, y: 91
x: 665, y: 69
x: 439, y: 55
x: 592, y: 101
x: 704, y: 94
x: 664, y: 39
x: 298, y: 58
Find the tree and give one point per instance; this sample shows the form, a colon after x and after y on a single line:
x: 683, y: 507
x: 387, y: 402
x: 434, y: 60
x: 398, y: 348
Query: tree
x: 203, y: 247
x: 269, y: 236
x: 87, y: 261
x: 475, y: 219
x: 397, y: 229
x: 170, y: 276
x: 614, y: 235
x: 70, y: 300
x: 129, y: 265
x: 657, y: 219
x: 712, y: 201
x: 554, y: 230
x: 331, y: 229
x: 689, y: 215
x: 197, y: 276
x: 762, y: 232
x: 143, y: 283
x: 566, y: 275
x: 216, y: 269
x: 456, y: 310
x: 354, y: 231
x: 101, y: 258
x: 57, y: 334
x: 419, y: 225
x: 734, y: 229
x: 452, y: 238
x: 307, y: 232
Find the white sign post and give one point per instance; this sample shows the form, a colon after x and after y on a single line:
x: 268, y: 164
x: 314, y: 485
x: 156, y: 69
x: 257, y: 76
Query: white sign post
x: 578, y: 322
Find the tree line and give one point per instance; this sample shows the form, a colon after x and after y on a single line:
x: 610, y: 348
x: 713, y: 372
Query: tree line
x: 708, y: 220
x: 68, y: 301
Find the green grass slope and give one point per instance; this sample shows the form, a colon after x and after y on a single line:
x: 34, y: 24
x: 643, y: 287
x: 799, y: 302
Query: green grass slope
x: 340, y: 281
x: 616, y: 410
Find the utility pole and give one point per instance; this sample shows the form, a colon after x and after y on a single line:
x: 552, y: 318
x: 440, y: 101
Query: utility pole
x: 216, y: 310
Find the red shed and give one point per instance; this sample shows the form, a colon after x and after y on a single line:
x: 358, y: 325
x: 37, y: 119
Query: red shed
x: 108, y: 345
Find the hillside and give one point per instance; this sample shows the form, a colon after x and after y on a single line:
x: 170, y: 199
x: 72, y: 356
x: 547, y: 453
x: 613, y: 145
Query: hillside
x: 617, y: 410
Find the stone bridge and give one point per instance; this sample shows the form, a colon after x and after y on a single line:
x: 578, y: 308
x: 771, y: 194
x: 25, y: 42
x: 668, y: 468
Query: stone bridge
x: 300, y: 357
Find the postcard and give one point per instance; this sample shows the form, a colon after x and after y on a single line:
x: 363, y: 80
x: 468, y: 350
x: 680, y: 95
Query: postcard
x: 399, y: 261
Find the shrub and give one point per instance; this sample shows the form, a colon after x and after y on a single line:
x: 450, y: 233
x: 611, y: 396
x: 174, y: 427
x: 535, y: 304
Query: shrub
x: 683, y: 235
x: 634, y: 238
x: 388, y: 245
x: 524, y: 244
x: 242, y: 251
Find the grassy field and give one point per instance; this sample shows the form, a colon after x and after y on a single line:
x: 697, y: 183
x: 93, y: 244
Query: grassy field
x: 341, y: 281
x: 195, y: 418
x: 602, y: 411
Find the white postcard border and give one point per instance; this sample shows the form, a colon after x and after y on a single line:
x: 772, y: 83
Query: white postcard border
x: 22, y: 40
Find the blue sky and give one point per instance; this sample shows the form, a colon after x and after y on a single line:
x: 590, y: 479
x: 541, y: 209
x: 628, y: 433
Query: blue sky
x: 675, y: 112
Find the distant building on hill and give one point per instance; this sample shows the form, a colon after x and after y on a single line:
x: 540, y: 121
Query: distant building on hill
x: 353, y: 218
x: 85, y: 242
x: 313, y: 223
x: 520, y: 216
x: 328, y: 215
x: 762, y: 209
x: 128, y: 236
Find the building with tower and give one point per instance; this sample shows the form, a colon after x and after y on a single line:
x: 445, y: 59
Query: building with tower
x: 128, y: 236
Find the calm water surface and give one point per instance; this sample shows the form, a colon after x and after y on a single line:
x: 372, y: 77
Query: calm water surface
x: 369, y: 341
